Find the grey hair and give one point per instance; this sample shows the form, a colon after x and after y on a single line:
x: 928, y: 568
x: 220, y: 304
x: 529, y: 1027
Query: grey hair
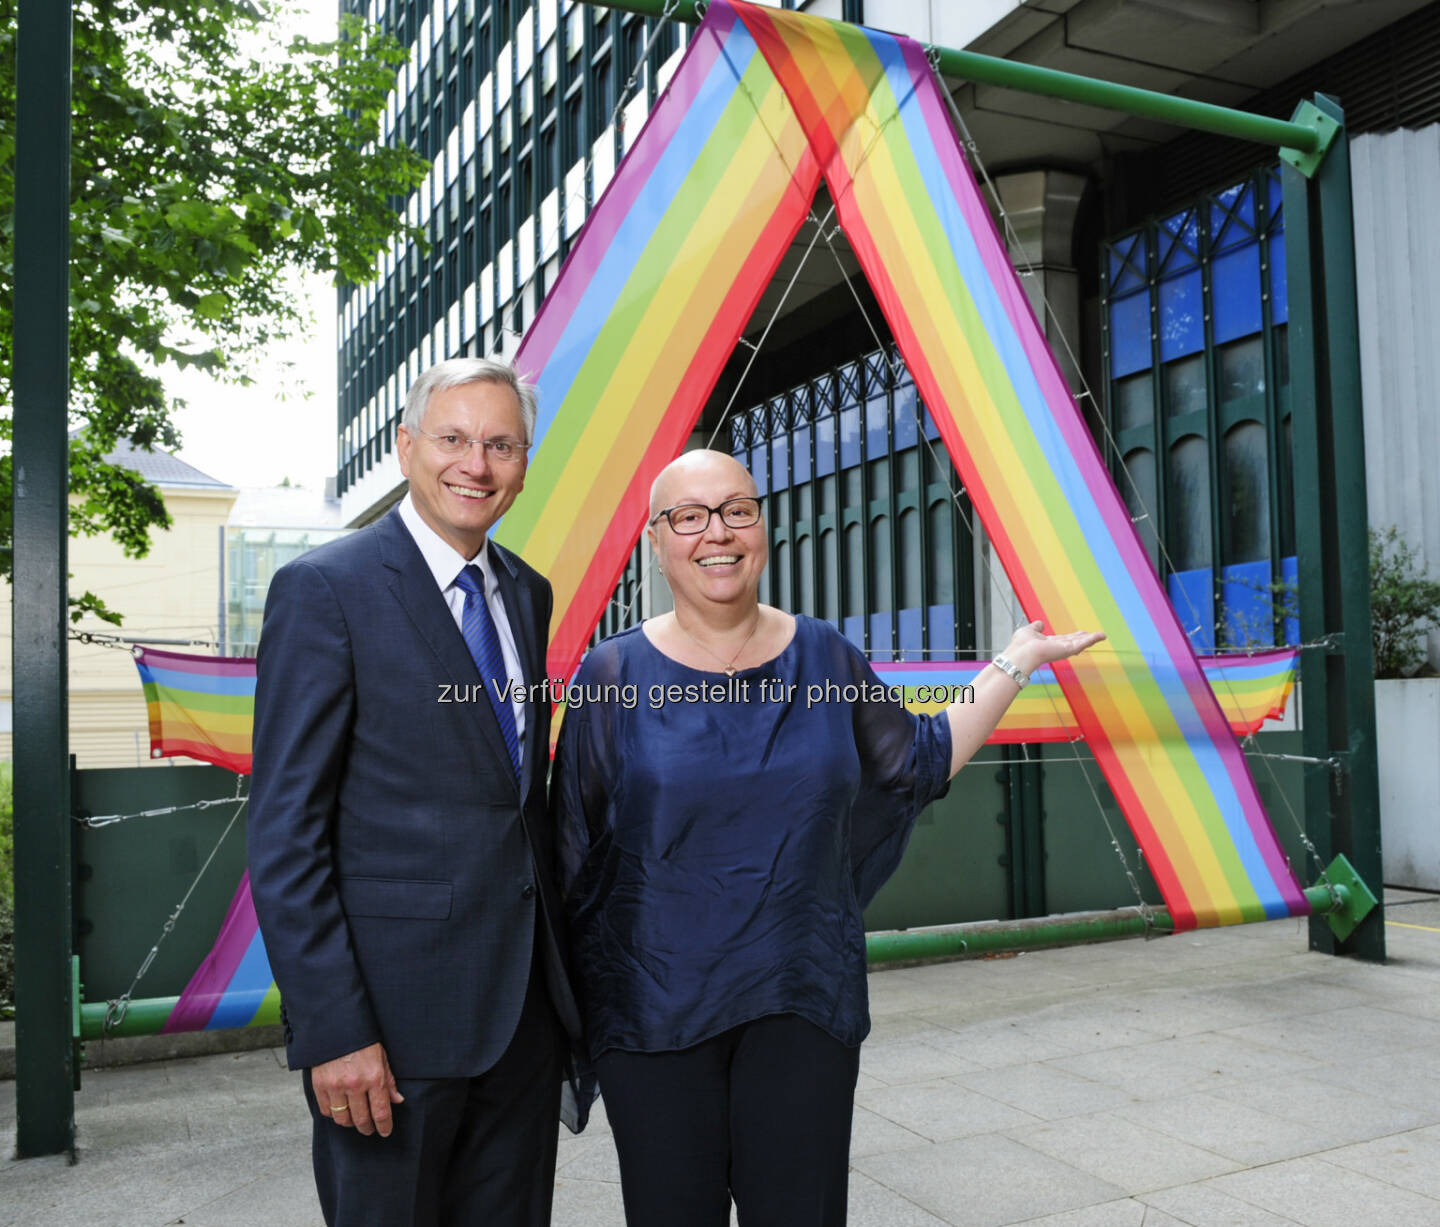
x: 455, y: 373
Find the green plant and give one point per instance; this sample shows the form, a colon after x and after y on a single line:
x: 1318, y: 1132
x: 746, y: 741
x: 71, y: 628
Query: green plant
x: 1404, y: 604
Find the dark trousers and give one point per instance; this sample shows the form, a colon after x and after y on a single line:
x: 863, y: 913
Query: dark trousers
x: 463, y: 1151
x: 761, y: 1113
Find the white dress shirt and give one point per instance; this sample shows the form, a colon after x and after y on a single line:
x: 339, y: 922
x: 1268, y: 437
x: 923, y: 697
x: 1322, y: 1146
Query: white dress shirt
x: 446, y: 563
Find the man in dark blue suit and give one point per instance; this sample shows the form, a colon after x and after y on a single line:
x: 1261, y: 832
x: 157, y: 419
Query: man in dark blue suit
x: 400, y: 855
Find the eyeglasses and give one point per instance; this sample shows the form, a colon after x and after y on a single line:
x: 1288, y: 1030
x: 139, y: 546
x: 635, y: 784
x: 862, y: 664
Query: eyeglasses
x: 690, y: 518
x: 503, y: 451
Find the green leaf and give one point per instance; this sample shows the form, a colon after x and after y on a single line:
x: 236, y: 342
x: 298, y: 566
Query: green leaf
x: 212, y: 306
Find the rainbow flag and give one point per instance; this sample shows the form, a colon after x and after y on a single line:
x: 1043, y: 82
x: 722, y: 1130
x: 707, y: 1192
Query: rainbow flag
x: 233, y: 986
x: 200, y: 706
x: 1250, y: 689
x: 631, y: 340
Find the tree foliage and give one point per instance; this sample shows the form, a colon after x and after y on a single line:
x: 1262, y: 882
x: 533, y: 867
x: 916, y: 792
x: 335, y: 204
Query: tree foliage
x: 206, y: 162
x: 1404, y: 604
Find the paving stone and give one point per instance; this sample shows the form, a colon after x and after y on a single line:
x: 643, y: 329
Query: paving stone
x: 1127, y: 1213
x: 1044, y: 1091
x: 939, y: 1110
x: 873, y: 1205
x: 1321, y: 1194
x: 1121, y: 1153
x: 1203, y: 1205
x: 1409, y: 1160
x: 1237, y: 1131
x: 985, y: 1181
x: 872, y: 1134
x: 911, y: 1061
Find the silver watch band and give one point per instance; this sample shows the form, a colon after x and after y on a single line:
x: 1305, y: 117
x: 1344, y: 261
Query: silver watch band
x: 1011, y: 670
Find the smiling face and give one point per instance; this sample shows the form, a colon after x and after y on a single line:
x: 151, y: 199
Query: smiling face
x: 462, y: 496
x: 720, y: 565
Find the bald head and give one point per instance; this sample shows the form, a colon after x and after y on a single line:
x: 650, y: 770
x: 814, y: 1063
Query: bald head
x: 678, y: 480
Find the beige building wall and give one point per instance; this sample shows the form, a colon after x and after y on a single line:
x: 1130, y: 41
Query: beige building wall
x: 171, y: 593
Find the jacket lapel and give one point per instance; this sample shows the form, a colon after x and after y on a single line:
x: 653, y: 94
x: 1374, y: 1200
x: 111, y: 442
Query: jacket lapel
x: 520, y: 610
x: 413, y: 585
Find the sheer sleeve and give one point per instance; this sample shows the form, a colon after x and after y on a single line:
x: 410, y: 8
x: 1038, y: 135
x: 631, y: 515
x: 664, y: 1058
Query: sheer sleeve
x: 579, y: 791
x: 904, y: 765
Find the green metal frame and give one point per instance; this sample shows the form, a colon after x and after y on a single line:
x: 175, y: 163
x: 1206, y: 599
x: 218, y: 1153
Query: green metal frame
x: 1342, y: 801
x: 45, y: 1070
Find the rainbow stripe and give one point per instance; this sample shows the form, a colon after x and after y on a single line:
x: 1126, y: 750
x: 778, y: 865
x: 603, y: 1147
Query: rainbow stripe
x: 1250, y: 690
x: 233, y: 986
x: 645, y: 313
x: 200, y: 706
x: 660, y: 285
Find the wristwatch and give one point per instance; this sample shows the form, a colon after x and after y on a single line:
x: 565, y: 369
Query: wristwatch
x: 1013, y: 671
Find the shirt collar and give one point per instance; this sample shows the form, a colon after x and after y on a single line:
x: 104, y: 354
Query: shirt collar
x: 443, y: 559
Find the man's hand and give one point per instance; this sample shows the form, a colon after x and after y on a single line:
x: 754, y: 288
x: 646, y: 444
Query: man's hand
x: 356, y: 1090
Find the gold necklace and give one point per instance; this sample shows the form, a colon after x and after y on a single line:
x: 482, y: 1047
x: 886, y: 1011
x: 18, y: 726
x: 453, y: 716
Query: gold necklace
x: 729, y: 666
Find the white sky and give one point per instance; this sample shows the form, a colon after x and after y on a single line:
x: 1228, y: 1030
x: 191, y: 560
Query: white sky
x: 283, y: 425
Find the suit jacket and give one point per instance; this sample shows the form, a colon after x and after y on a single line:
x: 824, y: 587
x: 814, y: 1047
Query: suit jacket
x: 397, y: 867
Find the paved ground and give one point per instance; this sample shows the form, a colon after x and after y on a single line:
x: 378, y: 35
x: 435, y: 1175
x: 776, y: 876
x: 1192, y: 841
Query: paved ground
x: 1221, y: 1078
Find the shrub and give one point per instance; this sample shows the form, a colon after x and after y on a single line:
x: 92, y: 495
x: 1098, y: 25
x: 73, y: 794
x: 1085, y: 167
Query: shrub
x: 1404, y: 604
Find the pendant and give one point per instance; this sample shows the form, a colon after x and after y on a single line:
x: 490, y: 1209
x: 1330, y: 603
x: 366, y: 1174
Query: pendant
x: 729, y: 670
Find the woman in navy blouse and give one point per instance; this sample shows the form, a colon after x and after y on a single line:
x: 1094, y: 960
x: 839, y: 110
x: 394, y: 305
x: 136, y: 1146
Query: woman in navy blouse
x: 732, y: 788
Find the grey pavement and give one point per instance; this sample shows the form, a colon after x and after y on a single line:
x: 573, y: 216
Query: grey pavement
x: 1227, y: 1077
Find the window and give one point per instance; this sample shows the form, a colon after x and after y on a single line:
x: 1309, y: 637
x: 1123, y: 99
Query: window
x: 1197, y: 385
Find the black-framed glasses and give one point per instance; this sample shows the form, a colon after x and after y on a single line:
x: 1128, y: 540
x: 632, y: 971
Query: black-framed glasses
x: 687, y: 519
x: 502, y: 450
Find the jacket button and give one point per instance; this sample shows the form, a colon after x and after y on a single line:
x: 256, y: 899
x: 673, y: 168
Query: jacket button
x: 528, y: 892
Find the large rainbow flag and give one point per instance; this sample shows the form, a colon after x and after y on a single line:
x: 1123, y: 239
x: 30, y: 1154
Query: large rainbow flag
x: 765, y: 106
x: 199, y: 706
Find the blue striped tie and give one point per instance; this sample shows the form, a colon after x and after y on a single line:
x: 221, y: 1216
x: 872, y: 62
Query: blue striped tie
x: 478, y: 627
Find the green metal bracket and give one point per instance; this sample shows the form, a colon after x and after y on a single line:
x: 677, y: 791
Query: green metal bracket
x: 1326, y: 129
x: 1357, y: 900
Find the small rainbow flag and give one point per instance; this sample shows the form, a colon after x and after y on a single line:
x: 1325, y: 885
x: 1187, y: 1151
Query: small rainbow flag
x: 200, y: 706
x: 1251, y: 689
x: 233, y: 986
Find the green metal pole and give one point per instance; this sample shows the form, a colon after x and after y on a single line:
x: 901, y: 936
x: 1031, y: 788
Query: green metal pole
x: 1032, y: 79
x: 994, y: 936
x: 1337, y: 692
x: 44, y: 1081
x: 1339, y: 900
x: 1357, y: 809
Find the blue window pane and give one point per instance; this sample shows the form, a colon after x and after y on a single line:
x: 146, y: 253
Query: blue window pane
x: 912, y: 640
x: 942, y: 630
x: 853, y: 628
x: 877, y: 414
x: 780, y: 461
x: 932, y: 431
x: 1192, y: 597
x: 880, y: 643
x: 1182, y: 316
x: 905, y: 428
x: 1179, y: 242
x: 1232, y: 223
x: 759, y: 470
x: 824, y: 447
x: 1127, y: 264
x: 1129, y: 335
x: 1290, y: 577
x: 800, y: 471
x: 1279, y: 300
x: 849, y: 437
x: 1249, y: 611
x: 1235, y: 292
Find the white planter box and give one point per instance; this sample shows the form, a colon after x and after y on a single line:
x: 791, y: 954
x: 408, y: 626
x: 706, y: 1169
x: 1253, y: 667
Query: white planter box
x: 1407, y: 733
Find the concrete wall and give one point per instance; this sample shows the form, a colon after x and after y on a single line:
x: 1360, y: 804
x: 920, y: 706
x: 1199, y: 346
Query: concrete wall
x: 1407, y: 727
x: 1396, y: 180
